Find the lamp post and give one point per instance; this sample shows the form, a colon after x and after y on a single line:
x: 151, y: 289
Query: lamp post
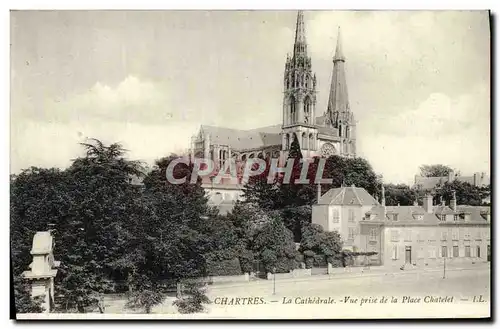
x: 274, y: 280
x: 444, y: 268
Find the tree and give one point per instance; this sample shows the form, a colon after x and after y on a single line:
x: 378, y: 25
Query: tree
x: 295, y: 151
x: 258, y: 191
x: 466, y: 193
x: 274, y: 246
x: 23, y: 300
x: 401, y: 194
x: 316, y: 242
x: 436, y: 170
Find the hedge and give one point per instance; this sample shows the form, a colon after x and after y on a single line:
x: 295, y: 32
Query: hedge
x: 224, y: 267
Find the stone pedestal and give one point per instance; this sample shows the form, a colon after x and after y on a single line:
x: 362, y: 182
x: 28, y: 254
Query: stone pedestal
x: 43, y: 269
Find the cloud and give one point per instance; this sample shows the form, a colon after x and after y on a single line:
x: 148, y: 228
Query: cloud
x: 451, y: 131
x: 55, y: 144
x: 135, y: 113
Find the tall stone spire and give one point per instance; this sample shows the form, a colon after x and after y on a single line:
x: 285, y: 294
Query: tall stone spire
x: 300, y: 47
x: 338, y: 101
x: 299, y: 95
x: 339, y: 55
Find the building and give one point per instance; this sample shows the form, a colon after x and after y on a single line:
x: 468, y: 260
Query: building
x: 430, y: 183
x: 415, y: 235
x: 331, y: 133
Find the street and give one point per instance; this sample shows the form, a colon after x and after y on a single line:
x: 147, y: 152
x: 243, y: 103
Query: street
x: 461, y: 293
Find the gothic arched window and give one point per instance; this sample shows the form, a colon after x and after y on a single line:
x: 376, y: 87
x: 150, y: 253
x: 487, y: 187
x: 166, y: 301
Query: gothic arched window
x: 304, y: 141
x: 293, y: 110
x: 312, y: 144
x: 347, y: 132
x: 307, y: 109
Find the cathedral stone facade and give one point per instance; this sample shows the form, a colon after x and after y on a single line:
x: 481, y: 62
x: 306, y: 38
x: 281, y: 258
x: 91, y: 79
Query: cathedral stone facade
x: 332, y: 133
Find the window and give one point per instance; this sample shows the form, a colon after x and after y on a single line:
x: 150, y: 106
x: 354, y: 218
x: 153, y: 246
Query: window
x: 395, y: 217
x: 373, y: 234
x: 442, y: 218
x: 287, y: 141
x: 444, y: 251
x: 307, y: 109
x: 467, y: 251
x: 467, y: 235
x: 478, y: 251
x: 312, y: 145
x: 455, y: 251
x: 304, y: 141
x: 456, y: 217
x: 336, y: 216
x: 432, y: 236
x: 420, y: 252
x: 293, y: 112
x: 351, y: 233
x: 408, y: 235
x: 394, y: 235
x: 394, y: 252
x: 454, y: 234
x: 478, y: 235
x: 444, y: 236
x: 432, y: 252
x: 351, y: 215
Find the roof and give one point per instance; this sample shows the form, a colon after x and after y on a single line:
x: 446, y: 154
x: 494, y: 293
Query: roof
x: 432, y: 182
x: 409, y: 215
x: 348, y: 196
x: 443, y: 210
x: 244, y: 139
x: 428, y: 183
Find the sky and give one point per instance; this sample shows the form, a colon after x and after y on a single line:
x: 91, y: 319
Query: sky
x: 419, y: 81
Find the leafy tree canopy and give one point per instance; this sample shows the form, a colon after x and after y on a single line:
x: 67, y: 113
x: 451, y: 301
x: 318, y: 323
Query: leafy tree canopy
x: 435, y: 170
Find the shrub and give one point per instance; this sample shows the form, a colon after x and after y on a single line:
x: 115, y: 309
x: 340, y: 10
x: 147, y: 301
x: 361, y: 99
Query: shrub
x: 246, y: 261
x: 195, y: 299
x: 224, y: 267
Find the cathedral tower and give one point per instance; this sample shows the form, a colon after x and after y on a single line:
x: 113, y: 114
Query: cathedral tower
x: 338, y: 112
x: 299, y: 99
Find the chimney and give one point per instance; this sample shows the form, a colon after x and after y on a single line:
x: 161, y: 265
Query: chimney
x: 318, y: 193
x: 428, y: 203
x: 383, y: 195
x: 453, y: 201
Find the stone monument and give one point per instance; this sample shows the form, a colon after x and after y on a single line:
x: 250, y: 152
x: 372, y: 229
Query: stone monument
x: 43, y: 269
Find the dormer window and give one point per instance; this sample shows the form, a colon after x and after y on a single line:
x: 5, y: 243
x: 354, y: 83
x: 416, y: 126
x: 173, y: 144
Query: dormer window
x: 456, y: 217
x: 442, y: 218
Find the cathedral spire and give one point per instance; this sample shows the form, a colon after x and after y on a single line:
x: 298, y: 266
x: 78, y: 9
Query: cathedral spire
x: 300, y: 46
x: 338, y: 101
x: 339, y: 55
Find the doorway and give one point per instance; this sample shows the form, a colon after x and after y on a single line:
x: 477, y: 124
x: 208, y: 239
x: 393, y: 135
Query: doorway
x: 478, y: 248
x: 408, y: 254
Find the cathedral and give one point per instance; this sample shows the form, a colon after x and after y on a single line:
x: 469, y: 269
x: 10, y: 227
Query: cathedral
x: 332, y: 133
